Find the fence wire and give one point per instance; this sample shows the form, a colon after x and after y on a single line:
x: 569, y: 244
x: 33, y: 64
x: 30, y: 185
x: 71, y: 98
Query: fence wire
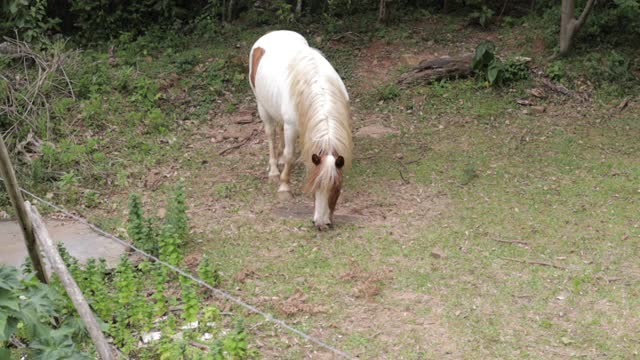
x: 216, y: 291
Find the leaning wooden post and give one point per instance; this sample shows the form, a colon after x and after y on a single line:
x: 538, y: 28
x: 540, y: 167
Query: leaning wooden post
x: 11, y: 184
x: 74, y: 292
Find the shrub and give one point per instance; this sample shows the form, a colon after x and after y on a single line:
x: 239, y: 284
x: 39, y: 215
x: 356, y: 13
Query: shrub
x: 493, y: 70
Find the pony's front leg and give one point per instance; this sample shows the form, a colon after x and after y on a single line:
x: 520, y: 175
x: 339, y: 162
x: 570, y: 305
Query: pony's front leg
x: 269, y: 129
x: 281, y: 146
x: 290, y: 136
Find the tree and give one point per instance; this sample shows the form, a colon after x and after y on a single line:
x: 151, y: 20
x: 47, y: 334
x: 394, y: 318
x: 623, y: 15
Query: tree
x: 569, y: 25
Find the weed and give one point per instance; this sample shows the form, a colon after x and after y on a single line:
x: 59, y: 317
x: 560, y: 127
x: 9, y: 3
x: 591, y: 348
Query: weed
x: 30, y: 311
x: 388, y: 92
x: 494, y: 70
x: 482, y: 16
x: 208, y: 272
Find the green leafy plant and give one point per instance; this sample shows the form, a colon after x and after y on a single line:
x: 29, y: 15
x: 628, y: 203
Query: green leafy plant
x: 177, y: 213
x: 139, y: 228
x: 556, y: 70
x: 482, y: 16
x: 28, y: 18
x: 493, y: 70
x: 31, y: 310
x: 207, y: 272
x: 388, y: 92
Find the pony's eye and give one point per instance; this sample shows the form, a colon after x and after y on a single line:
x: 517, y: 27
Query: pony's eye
x: 339, y: 162
x: 316, y: 159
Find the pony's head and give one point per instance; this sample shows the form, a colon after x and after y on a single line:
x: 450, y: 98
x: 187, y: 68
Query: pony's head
x: 325, y: 183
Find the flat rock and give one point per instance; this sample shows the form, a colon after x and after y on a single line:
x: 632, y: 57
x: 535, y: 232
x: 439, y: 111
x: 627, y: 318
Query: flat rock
x: 79, y: 240
x: 375, y: 131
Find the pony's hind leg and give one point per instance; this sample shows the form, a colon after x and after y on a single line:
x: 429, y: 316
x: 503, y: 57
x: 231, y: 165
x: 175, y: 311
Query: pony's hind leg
x: 269, y: 128
x: 290, y: 137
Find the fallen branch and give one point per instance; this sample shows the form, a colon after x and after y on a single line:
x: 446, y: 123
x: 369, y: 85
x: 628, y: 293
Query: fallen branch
x: 519, y: 242
x: 436, y: 69
x: 238, y: 145
x: 200, y: 346
x: 534, y: 262
x: 557, y: 87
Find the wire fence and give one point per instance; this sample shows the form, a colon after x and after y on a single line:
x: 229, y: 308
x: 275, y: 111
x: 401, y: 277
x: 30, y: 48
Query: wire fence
x: 185, y: 274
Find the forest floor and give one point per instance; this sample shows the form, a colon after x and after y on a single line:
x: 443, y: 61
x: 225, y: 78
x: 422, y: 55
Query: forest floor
x: 470, y: 226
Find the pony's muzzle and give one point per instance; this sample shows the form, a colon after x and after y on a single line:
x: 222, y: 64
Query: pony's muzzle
x: 322, y: 227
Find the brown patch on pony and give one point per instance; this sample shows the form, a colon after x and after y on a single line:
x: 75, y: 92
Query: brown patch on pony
x: 255, y: 61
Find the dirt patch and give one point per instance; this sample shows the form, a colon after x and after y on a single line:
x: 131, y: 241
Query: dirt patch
x: 297, y: 303
x: 245, y: 274
x: 403, y: 320
x: 375, y: 64
x: 375, y: 131
x: 367, y: 284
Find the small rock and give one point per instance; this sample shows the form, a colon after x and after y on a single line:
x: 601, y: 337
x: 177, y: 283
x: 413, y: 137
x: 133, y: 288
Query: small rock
x: 524, y: 102
x: 191, y: 325
x: 151, y: 336
x: 538, y: 109
x: 244, y: 117
x: 437, y: 254
x: 206, y: 337
x: 399, y: 156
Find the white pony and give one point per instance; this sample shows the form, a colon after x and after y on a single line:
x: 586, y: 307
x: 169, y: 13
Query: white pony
x: 298, y: 89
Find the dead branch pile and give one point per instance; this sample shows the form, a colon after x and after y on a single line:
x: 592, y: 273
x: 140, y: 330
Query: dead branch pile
x: 30, y: 82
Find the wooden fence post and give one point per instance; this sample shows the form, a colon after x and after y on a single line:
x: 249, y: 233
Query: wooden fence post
x: 70, y: 285
x: 11, y: 184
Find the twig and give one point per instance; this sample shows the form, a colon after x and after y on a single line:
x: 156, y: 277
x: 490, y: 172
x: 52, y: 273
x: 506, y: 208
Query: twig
x: 238, y: 145
x: 504, y: 6
x: 519, y: 242
x: 200, y: 346
x: 402, y: 177
x: 534, y: 262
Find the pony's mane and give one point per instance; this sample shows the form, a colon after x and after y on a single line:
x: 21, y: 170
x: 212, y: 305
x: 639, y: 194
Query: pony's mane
x: 324, y: 118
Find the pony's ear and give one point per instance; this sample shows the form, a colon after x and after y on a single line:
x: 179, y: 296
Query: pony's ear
x: 316, y: 159
x: 339, y: 162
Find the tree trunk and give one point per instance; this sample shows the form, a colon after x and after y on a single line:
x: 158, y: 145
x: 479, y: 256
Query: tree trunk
x: 382, y: 11
x: 231, y: 8
x: 569, y: 25
x: 298, y: 8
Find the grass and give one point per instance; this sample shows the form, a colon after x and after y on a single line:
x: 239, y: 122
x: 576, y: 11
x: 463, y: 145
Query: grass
x: 564, y: 182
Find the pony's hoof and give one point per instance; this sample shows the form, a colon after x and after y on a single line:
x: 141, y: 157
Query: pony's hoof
x: 284, y: 195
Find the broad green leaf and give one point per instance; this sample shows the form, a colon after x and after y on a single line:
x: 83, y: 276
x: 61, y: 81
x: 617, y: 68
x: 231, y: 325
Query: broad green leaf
x: 5, y: 354
x: 8, y: 301
x: 8, y: 326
